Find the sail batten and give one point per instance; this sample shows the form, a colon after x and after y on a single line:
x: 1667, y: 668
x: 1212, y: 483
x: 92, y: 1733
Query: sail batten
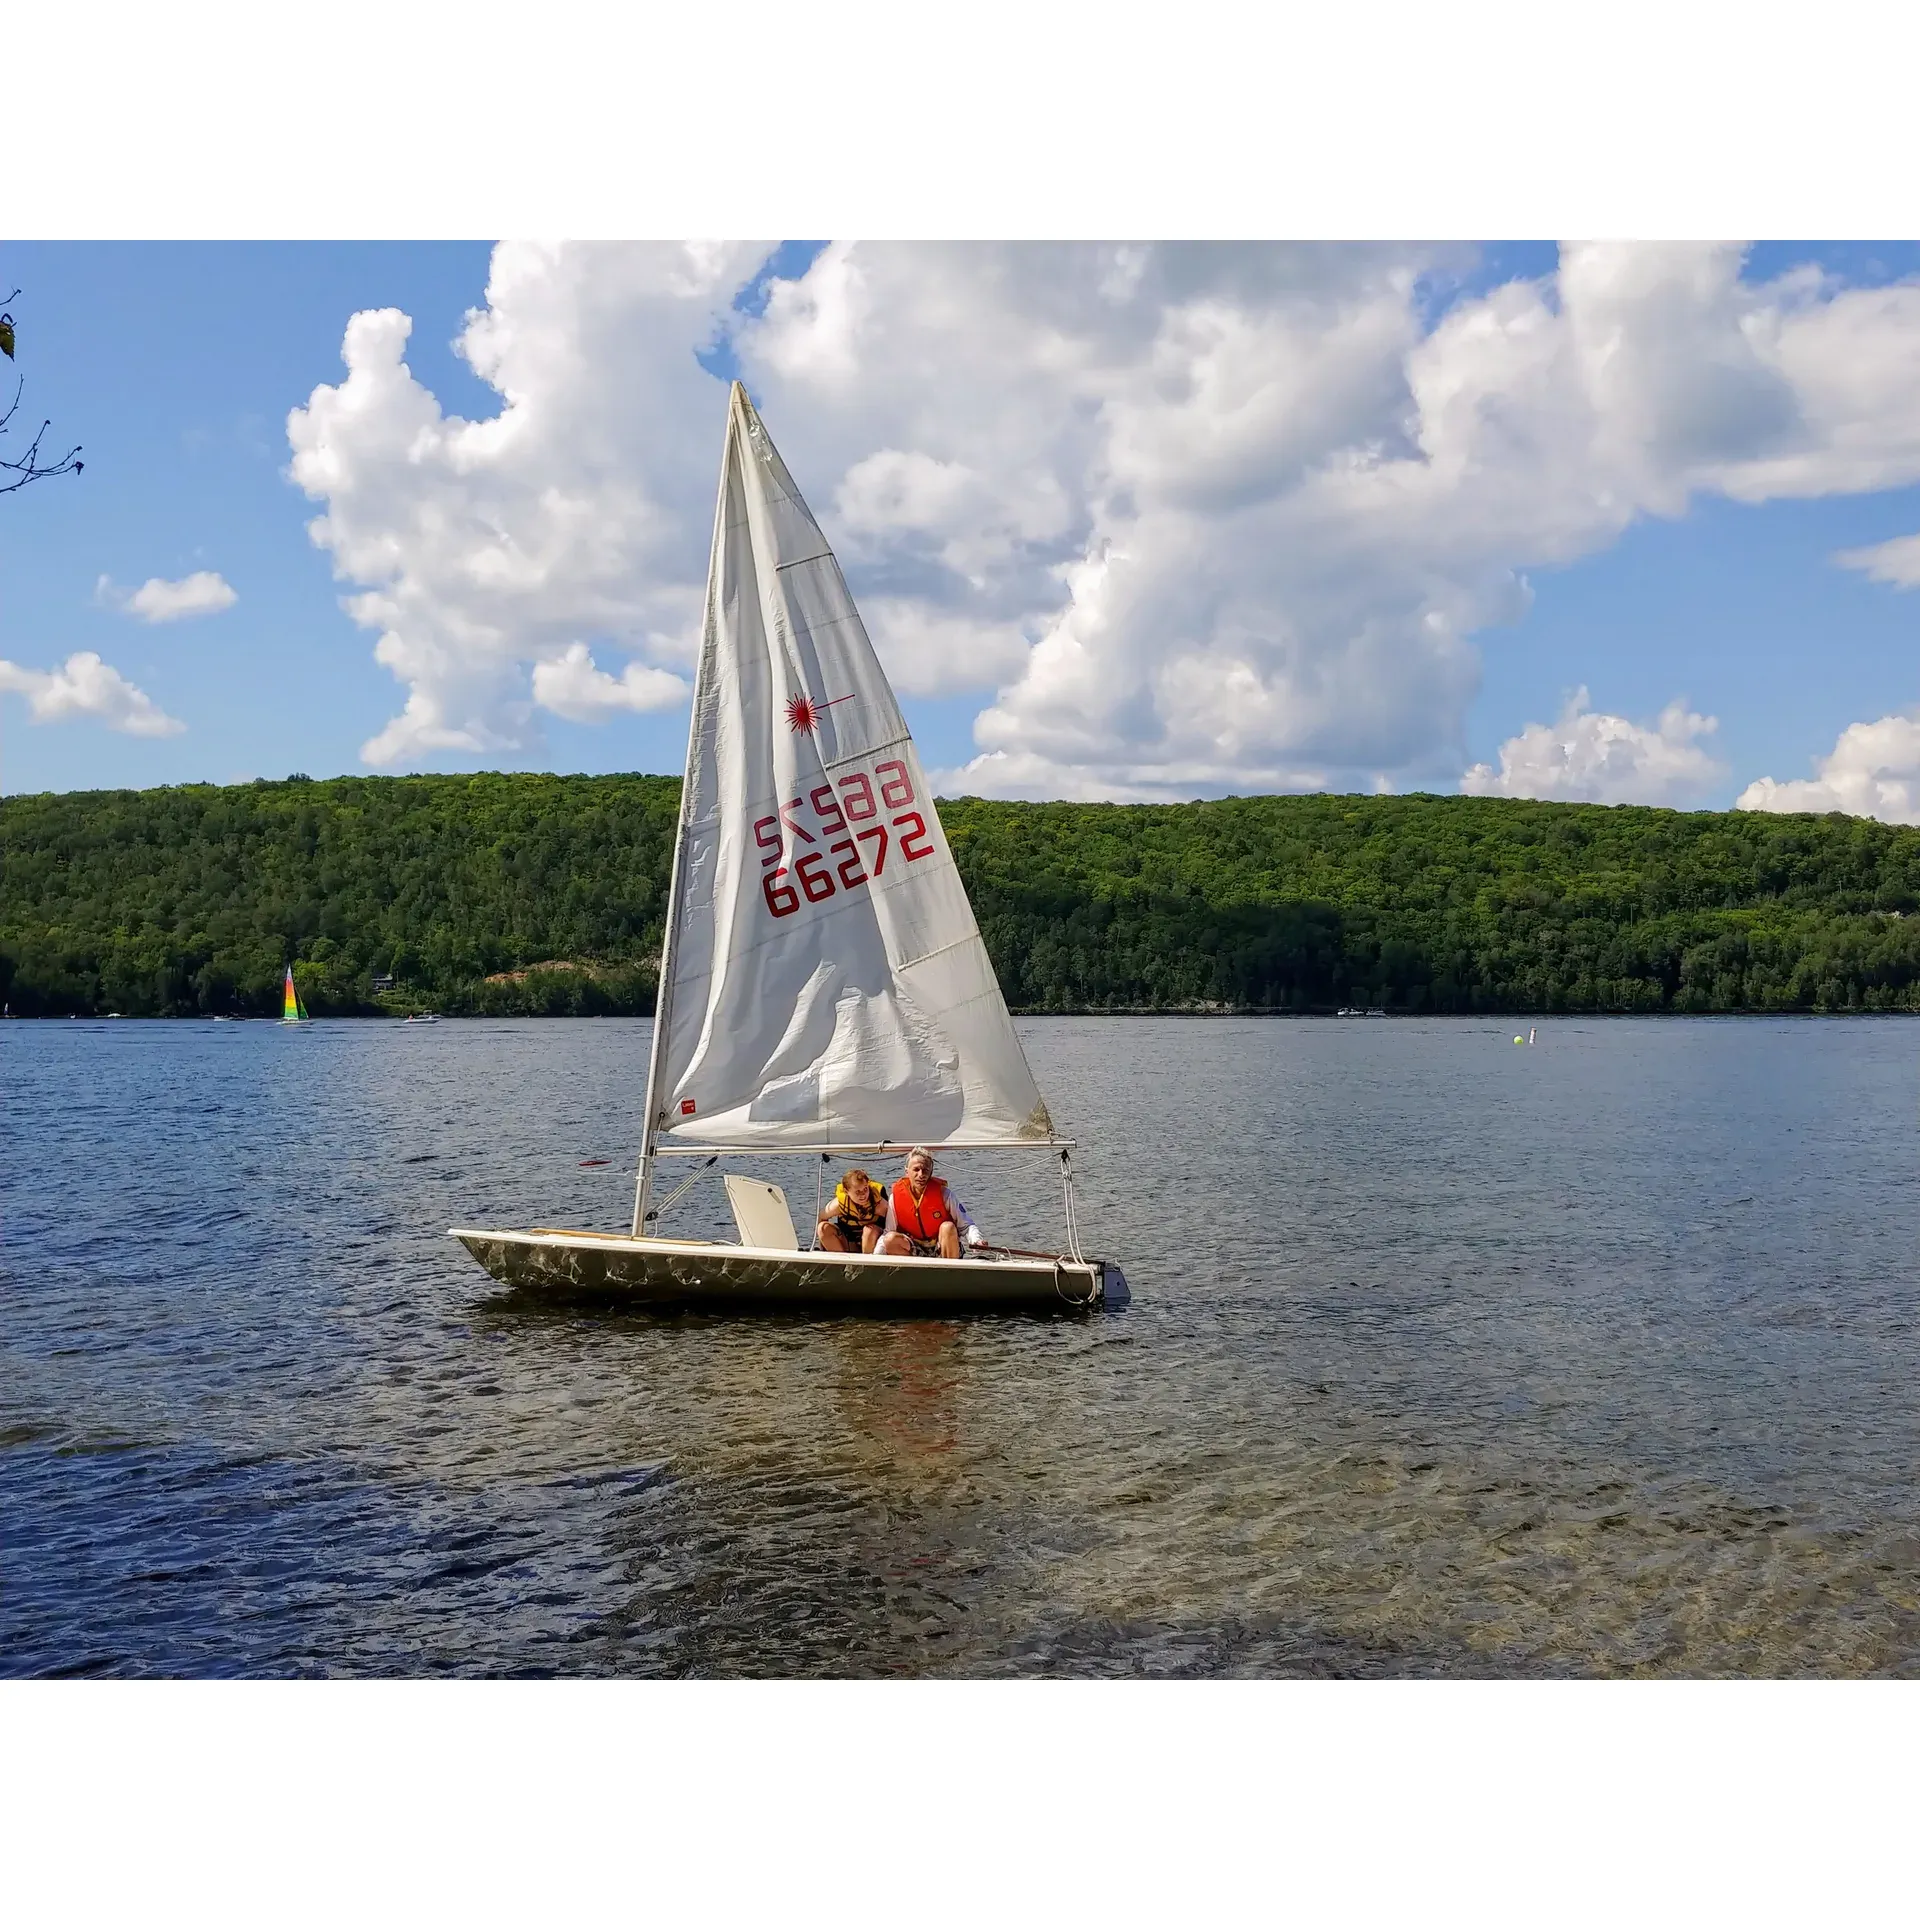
x: 824, y: 979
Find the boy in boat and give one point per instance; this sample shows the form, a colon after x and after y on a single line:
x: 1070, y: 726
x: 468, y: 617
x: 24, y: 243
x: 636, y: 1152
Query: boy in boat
x: 924, y: 1214
x: 851, y: 1221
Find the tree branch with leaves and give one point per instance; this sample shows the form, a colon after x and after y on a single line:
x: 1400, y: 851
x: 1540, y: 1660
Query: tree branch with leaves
x: 15, y: 474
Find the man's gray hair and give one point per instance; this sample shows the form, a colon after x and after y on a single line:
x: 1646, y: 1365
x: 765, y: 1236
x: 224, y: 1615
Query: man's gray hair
x: 920, y: 1153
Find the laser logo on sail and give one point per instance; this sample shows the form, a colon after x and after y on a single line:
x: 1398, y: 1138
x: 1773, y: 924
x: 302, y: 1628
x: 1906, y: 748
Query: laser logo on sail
x: 803, y: 713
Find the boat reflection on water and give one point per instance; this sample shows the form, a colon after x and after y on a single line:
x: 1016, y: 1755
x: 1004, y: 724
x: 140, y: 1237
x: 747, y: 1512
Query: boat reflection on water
x: 899, y: 1388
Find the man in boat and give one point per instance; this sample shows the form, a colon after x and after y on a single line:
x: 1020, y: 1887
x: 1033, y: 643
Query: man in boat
x: 853, y: 1219
x: 924, y: 1214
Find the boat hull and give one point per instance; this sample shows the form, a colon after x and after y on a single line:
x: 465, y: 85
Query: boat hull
x: 561, y: 1263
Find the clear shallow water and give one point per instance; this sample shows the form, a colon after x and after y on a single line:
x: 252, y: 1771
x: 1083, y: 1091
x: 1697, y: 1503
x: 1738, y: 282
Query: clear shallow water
x: 1446, y: 1357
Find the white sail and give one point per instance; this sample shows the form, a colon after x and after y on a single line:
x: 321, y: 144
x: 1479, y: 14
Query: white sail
x: 824, y: 983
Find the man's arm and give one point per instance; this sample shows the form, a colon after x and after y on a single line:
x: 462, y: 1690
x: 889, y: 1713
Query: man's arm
x: 963, y: 1221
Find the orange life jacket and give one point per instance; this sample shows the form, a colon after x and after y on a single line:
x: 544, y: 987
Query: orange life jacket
x: 921, y: 1219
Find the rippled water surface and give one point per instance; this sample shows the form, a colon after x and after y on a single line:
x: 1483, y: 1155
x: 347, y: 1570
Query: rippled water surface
x: 1446, y: 1356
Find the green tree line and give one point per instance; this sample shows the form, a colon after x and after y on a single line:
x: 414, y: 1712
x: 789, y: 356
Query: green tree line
x: 532, y: 893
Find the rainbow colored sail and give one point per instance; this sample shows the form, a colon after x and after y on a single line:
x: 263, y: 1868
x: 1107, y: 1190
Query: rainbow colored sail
x: 292, y: 1010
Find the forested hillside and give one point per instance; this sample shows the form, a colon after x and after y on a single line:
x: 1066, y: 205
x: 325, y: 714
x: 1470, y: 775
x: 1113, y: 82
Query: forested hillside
x: 517, y: 893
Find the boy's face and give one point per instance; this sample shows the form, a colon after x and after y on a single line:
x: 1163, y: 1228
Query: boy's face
x: 857, y: 1185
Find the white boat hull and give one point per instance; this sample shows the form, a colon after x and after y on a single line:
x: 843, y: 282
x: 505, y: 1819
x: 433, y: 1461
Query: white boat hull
x: 559, y: 1262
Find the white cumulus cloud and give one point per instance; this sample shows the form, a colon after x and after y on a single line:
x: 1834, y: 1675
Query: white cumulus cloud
x: 574, y: 688
x: 1895, y: 563
x: 927, y: 650
x: 1603, y: 757
x: 580, y: 511
x: 86, y: 688
x: 1874, y: 769
x: 1201, y: 518
x: 159, y: 601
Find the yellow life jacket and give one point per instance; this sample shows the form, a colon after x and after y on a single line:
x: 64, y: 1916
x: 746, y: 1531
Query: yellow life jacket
x: 869, y: 1216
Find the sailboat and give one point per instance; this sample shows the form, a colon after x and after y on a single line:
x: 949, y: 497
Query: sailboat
x: 824, y: 991
x: 291, y: 1010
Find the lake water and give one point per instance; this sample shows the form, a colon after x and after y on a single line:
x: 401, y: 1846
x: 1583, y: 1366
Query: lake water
x: 1446, y: 1356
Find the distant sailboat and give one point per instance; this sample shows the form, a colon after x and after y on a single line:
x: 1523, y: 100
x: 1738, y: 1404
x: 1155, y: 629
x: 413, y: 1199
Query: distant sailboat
x: 292, y: 1011
x: 824, y: 990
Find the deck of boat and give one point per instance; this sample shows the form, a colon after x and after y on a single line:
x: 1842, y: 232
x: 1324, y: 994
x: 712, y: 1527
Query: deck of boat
x: 567, y: 1261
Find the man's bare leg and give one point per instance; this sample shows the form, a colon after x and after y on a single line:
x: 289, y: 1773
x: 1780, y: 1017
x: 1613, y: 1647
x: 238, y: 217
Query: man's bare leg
x: 949, y: 1241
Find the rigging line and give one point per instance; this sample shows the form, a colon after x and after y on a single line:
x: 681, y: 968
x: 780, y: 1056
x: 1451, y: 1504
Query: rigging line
x: 850, y: 1150
x: 654, y: 1213
x: 1073, y: 1213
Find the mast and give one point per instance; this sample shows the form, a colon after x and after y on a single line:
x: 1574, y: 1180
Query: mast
x: 663, y: 992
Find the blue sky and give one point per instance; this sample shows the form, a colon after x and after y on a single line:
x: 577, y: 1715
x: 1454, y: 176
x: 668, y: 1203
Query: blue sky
x: 176, y: 367
x: 1739, y: 608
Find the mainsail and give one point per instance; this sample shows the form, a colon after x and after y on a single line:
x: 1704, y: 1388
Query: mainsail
x: 823, y: 982
x: 291, y: 1009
